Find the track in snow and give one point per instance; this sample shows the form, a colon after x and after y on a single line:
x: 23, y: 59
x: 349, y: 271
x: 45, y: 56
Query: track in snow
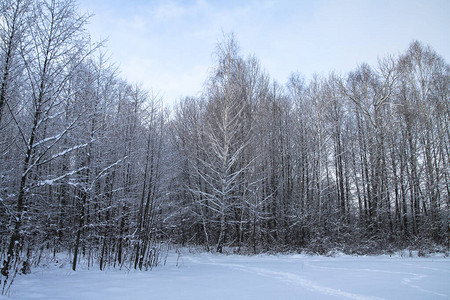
x: 207, y: 276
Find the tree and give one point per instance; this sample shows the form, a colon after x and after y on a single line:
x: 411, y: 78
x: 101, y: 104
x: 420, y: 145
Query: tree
x: 224, y: 144
x: 13, y: 33
x: 423, y: 113
x: 58, y: 46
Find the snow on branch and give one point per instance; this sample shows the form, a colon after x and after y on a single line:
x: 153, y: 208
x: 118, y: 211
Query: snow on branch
x: 52, y: 181
x: 106, y: 169
x: 62, y: 153
x: 56, y: 140
x: 58, y: 136
x: 9, y: 209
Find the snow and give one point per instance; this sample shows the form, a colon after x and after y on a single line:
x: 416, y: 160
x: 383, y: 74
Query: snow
x: 212, y: 276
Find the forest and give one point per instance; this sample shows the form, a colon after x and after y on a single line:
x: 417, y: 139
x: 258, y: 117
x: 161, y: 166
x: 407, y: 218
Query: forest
x: 97, y: 167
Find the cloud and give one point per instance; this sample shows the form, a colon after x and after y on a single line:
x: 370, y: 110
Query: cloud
x: 169, y: 11
x: 168, y: 45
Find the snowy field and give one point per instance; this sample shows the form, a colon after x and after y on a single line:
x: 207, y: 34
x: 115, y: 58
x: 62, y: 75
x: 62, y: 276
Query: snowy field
x: 209, y: 276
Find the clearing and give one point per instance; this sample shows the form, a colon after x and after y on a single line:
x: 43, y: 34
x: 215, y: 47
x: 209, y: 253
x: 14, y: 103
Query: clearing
x: 211, y: 276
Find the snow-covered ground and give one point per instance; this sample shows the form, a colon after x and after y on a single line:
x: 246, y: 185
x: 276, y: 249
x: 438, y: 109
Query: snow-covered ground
x: 209, y: 276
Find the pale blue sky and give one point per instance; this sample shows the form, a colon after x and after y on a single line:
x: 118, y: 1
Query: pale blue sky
x: 168, y: 45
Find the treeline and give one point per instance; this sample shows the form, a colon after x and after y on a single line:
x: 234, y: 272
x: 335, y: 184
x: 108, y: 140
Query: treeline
x: 94, y: 166
x: 356, y: 163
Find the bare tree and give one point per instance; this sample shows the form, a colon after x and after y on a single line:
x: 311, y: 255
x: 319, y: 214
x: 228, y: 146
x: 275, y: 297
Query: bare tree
x: 59, y: 45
